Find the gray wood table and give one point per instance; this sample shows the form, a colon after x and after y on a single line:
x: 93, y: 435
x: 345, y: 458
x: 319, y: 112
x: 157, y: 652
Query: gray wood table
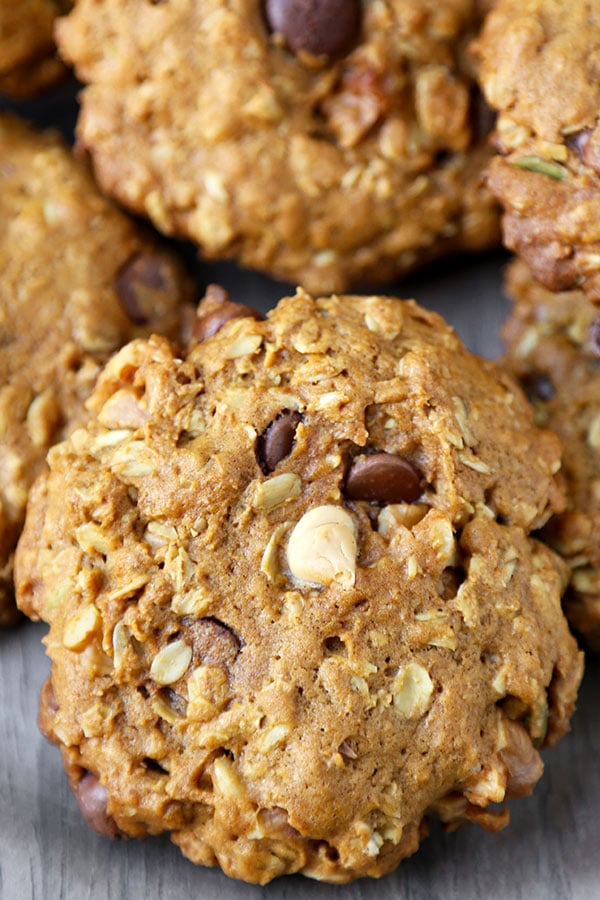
x: 550, y: 851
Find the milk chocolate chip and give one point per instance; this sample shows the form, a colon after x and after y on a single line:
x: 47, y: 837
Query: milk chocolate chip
x: 276, y: 442
x: 316, y: 26
x: 384, y: 478
x: 215, y: 309
x: 92, y: 798
x: 140, y: 283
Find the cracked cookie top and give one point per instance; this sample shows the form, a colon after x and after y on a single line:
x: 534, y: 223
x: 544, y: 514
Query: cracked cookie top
x: 294, y: 599
x: 346, y: 150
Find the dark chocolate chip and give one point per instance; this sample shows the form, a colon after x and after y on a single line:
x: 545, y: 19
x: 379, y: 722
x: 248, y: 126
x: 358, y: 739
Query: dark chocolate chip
x: 139, y: 281
x: 594, y: 337
x: 277, y: 440
x: 316, y: 26
x: 215, y: 309
x: 538, y: 386
x: 384, y: 478
x: 93, y: 798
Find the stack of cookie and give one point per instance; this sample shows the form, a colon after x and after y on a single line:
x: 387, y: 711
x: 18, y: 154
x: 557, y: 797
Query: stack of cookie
x: 302, y: 591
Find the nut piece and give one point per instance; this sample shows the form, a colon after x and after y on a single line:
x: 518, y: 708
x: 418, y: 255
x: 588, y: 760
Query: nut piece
x: 80, y: 628
x: 170, y: 663
x: 523, y: 763
x: 277, y: 490
x: 322, y: 547
x: 412, y: 689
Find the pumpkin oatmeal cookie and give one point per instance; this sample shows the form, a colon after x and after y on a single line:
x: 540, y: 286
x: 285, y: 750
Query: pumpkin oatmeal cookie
x: 540, y: 68
x: 295, y: 603
x: 553, y: 348
x: 77, y: 280
x: 326, y: 143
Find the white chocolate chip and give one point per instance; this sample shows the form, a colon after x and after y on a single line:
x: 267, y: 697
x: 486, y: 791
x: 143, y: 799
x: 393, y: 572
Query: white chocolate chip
x: 322, y: 547
x: 170, y: 663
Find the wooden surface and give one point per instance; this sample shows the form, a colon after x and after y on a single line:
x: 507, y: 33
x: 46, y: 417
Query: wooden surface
x: 550, y: 851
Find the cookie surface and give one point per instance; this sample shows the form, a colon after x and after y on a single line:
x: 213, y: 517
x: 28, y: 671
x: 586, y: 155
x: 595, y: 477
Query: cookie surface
x: 294, y: 601
x: 28, y: 60
x: 77, y: 281
x: 553, y: 347
x: 323, y: 170
x: 539, y: 69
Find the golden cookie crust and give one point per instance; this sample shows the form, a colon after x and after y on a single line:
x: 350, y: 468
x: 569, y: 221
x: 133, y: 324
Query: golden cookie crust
x: 553, y: 347
x: 250, y: 655
x: 323, y: 172
x: 540, y: 68
x: 68, y: 257
x: 28, y: 61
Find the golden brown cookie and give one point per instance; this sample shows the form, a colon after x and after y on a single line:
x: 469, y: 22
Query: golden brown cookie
x: 295, y: 603
x: 553, y: 347
x: 77, y: 281
x: 325, y: 156
x: 540, y: 70
x: 28, y: 60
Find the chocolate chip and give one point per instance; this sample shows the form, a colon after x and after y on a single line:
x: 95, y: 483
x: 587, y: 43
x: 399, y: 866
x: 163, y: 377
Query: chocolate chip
x: 384, y: 478
x: 214, y: 643
x: 277, y: 440
x: 93, y: 798
x: 138, y: 283
x: 538, y: 386
x: 215, y: 309
x: 316, y: 26
x: 594, y: 337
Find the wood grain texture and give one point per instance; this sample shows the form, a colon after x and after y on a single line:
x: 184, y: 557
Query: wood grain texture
x: 550, y: 851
